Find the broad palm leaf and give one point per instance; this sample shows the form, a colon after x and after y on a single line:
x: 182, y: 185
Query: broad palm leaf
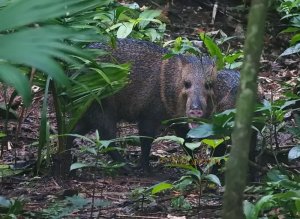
x: 37, y: 46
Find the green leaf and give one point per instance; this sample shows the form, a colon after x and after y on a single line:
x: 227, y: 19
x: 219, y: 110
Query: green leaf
x: 294, y: 153
x: 146, y: 17
x: 91, y: 150
x: 183, y: 183
x: 106, y: 143
x: 12, y: 76
x: 233, y: 57
x: 192, y: 145
x: 275, y: 175
x: 202, y: 131
x: 161, y: 187
x: 20, y: 13
x: 288, y: 103
x: 214, y: 142
x: 4, y: 202
x: 213, y: 178
x: 77, y: 201
x: 8, y: 172
x: 44, y: 44
x: 290, y: 30
x: 249, y: 210
x: 265, y: 201
x: 289, y: 195
x: 44, y: 129
x: 170, y: 138
x: 295, y: 39
x: 180, y: 203
x: 152, y: 34
x: 75, y: 166
x: 125, y: 29
x: 213, y: 50
x: 196, y: 173
x: 234, y: 65
x: 291, y: 50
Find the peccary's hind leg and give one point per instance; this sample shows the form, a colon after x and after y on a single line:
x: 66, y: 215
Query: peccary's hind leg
x: 102, y: 119
x: 146, y: 128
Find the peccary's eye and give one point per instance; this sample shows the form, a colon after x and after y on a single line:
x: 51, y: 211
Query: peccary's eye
x: 187, y: 84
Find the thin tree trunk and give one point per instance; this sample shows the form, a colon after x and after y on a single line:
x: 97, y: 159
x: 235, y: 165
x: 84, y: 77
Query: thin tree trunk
x: 237, y: 165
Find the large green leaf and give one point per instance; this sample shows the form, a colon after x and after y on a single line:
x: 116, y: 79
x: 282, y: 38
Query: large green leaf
x: 202, y: 131
x: 163, y: 186
x: 38, y: 47
x: 20, y: 12
x: 14, y: 77
x: 213, y: 49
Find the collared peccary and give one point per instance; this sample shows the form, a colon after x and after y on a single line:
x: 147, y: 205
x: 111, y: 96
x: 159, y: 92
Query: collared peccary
x: 158, y: 89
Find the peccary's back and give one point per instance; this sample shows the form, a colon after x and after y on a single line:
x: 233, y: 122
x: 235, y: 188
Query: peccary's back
x: 226, y: 89
x: 142, y: 94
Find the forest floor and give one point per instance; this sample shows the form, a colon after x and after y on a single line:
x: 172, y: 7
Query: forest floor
x: 186, y: 19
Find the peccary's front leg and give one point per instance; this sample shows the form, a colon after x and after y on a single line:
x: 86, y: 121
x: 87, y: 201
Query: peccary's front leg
x: 147, y: 128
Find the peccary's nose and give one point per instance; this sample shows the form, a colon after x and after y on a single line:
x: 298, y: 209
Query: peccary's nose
x: 195, y: 108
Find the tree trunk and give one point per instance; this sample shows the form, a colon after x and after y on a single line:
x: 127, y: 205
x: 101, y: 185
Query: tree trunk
x: 237, y: 165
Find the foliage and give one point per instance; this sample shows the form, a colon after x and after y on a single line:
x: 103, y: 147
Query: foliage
x: 280, y: 196
x: 290, y: 12
x: 193, y: 178
x: 230, y: 60
x: 95, y: 147
x: 280, y: 193
x: 9, y: 208
x: 181, y: 46
x: 124, y: 21
x: 63, y: 208
x: 44, y: 42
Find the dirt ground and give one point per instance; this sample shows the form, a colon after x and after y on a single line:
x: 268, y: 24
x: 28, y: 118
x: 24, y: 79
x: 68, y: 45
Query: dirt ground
x: 185, y: 18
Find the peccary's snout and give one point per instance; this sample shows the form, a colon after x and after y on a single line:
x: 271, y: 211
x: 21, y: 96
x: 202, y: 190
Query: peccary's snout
x: 196, y: 108
x: 195, y: 111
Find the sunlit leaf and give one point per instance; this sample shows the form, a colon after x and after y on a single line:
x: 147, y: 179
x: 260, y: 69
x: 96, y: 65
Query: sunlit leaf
x: 202, y: 131
x: 249, y: 210
x: 192, y: 145
x: 75, y: 166
x: 294, y: 153
x: 170, y: 138
x: 161, y: 187
x: 275, y: 175
x: 125, y: 29
x: 213, y: 49
x: 19, y: 13
x: 147, y: 17
x: 213, y: 178
x: 4, y: 202
x: 291, y: 50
